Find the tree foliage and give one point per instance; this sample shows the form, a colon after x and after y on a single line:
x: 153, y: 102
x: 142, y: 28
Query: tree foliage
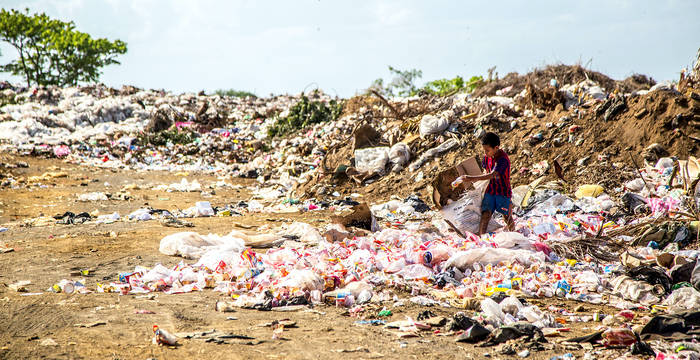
x: 305, y: 113
x: 442, y: 87
x: 403, y: 83
x: 52, y: 52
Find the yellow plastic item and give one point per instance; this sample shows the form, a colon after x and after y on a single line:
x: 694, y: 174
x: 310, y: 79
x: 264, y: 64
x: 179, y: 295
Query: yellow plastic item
x: 588, y: 191
x: 492, y: 290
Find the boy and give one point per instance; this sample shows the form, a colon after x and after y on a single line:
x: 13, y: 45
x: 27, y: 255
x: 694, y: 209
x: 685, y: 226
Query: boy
x: 498, y: 193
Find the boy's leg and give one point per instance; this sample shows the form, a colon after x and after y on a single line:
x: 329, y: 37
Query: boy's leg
x: 484, y: 223
x: 488, y: 206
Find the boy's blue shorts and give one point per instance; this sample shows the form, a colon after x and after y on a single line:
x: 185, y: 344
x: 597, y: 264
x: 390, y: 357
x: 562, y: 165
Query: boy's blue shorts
x: 497, y: 203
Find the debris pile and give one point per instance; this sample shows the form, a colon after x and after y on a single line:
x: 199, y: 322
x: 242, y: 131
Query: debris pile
x: 605, y: 200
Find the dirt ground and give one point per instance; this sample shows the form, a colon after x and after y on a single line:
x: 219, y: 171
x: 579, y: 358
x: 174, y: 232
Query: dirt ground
x: 47, y: 254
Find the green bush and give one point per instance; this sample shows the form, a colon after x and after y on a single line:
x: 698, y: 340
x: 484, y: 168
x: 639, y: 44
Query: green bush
x: 403, y: 83
x: 444, y: 87
x: 234, y: 93
x: 305, y: 113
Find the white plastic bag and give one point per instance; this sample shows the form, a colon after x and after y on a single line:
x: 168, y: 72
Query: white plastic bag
x: 512, y: 240
x: 399, y: 155
x: 492, y: 312
x: 372, y: 160
x: 683, y: 299
x: 466, y: 259
x: 306, y: 233
x: 431, y: 124
x: 204, y: 208
x: 415, y: 272
x: 511, y: 305
x: 634, y: 290
x: 304, y: 280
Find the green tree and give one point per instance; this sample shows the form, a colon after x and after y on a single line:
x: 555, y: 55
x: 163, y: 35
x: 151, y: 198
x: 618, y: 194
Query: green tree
x: 443, y: 87
x: 52, y: 52
x: 402, y: 84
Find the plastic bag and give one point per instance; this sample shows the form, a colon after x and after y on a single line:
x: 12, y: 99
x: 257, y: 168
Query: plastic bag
x: 191, y: 245
x: 306, y: 233
x: 204, y: 208
x: 511, y: 305
x: 372, y: 160
x: 399, y: 155
x: 683, y: 299
x: 635, y: 290
x: 513, y: 240
x: 415, y: 272
x: 466, y: 259
x: 588, y: 191
x: 431, y: 124
x: 93, y: 196
x: 304, y: 280
x: 492, y: 312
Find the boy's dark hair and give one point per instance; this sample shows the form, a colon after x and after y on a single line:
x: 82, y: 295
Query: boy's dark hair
x: 491, y: 139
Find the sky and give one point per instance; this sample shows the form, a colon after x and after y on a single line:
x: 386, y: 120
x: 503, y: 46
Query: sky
x: 342, y: 46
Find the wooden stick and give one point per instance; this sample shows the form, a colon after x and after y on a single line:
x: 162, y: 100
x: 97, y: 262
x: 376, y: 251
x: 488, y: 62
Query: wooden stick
x: 396, y: 113
x: 638, y: 171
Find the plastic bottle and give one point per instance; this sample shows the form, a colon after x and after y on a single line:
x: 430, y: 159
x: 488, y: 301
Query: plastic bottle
x: 435, y: 255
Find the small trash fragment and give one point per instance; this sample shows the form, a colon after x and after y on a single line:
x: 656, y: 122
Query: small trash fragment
x: 48, y: 342
x: 162, y: 337
x: 20, y: 286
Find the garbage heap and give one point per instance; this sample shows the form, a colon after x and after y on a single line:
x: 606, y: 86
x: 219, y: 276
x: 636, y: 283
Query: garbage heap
x: 606, y: 202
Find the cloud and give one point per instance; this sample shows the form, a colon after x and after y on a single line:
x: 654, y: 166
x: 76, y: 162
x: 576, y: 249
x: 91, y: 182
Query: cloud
x: 392, y: 13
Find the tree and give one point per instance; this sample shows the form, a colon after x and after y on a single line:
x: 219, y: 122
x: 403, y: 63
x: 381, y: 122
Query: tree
x: 52, y: 52
x: 402, y: 84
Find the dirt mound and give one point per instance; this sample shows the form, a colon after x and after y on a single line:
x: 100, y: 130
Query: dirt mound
x: 588, y: 148
x: 564, y: 74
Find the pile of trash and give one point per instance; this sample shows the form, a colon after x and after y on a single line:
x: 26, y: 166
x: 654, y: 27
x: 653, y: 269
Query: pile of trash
x: 563, y: 247
x: 593, y: 222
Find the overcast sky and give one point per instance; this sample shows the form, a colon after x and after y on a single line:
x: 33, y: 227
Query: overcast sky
x: 342, y: 46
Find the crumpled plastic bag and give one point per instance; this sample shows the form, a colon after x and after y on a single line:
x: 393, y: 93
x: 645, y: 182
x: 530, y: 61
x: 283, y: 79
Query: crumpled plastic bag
x: 466, y: 259
x: 302, y: 279
x: 683, y: 299
x: 372, y: 160
x: 399, y: 155
x: 431, y: 124
x: 305, y: 233
x: 513, y: 240
x: 588, y: 191
x: 191, y: 245
x: 634, y: 290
